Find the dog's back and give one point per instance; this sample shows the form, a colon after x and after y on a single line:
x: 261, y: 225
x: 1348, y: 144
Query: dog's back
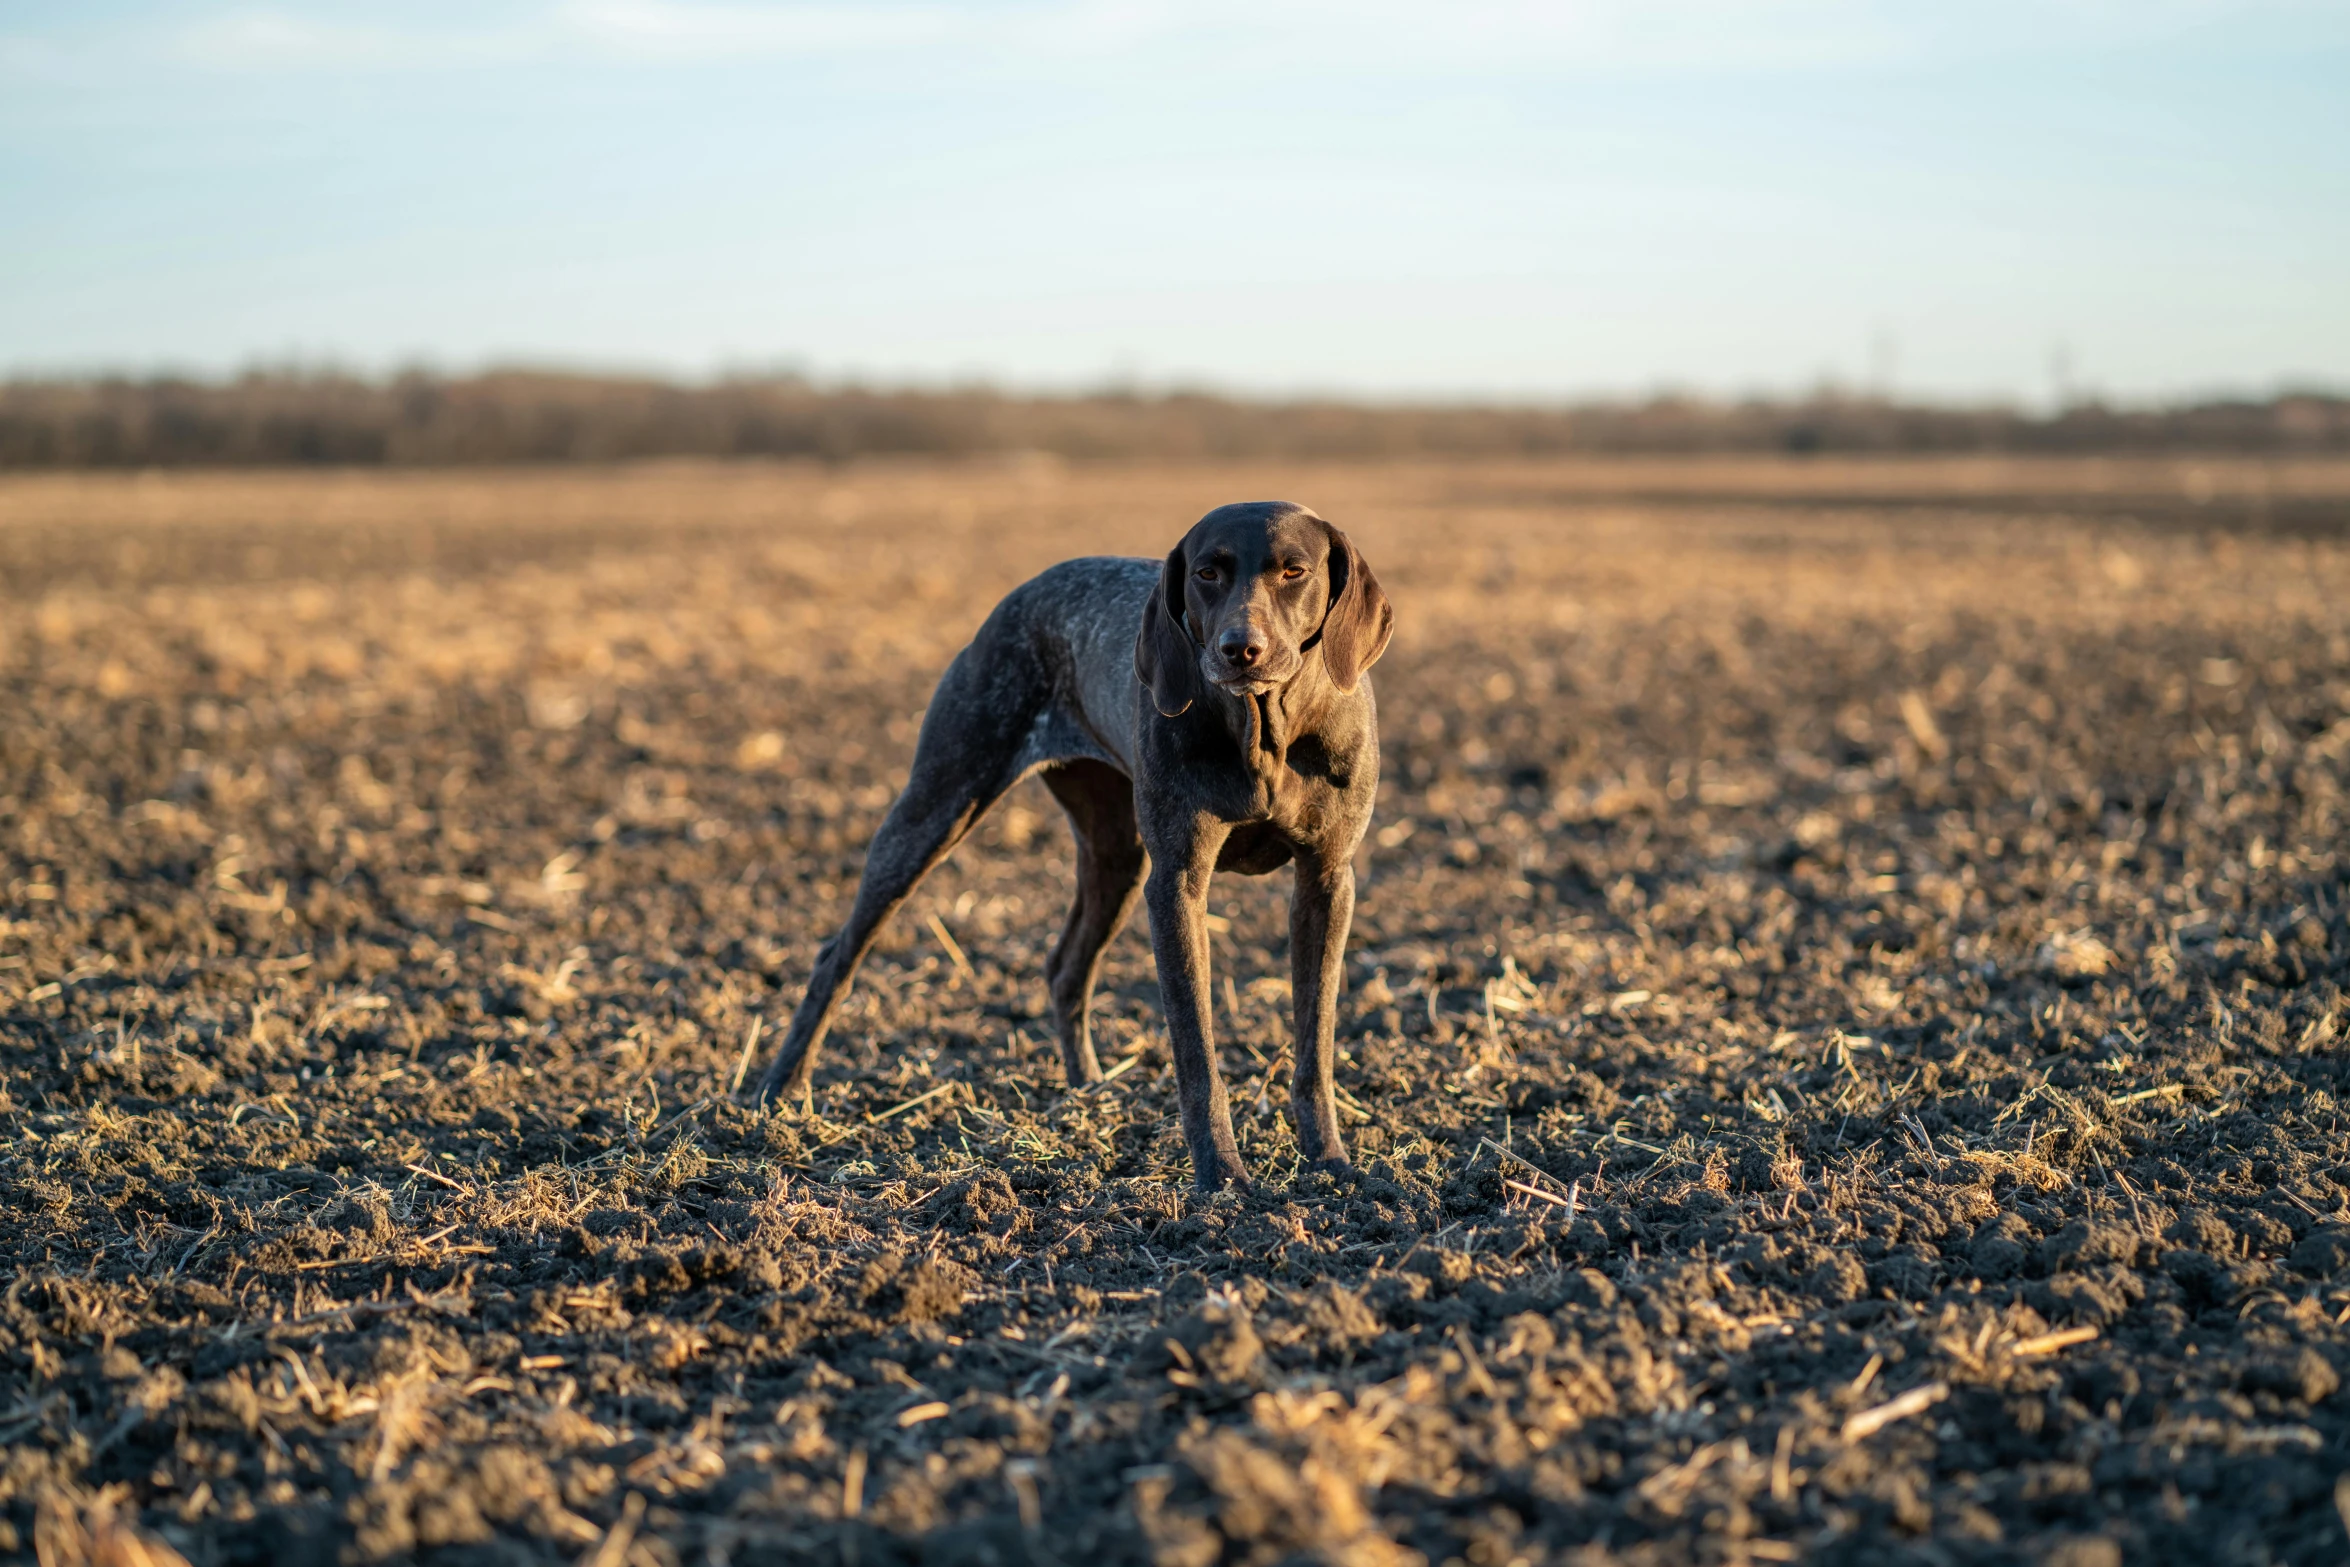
x: 1057, y: 655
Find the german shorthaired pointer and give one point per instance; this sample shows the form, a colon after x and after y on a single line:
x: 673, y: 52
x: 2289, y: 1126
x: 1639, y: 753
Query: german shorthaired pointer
x: 1258, y: 744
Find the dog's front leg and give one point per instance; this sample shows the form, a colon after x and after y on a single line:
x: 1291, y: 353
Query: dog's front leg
x: 1177, y: 896
x: 1321, y: 907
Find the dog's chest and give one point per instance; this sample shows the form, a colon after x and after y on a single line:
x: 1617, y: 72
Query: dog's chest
x: 1291, y: 777
x: 1302, y: 792
x: 1254, y: 849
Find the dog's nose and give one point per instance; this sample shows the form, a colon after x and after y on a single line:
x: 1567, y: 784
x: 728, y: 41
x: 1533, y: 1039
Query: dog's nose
x: 1239, y: 649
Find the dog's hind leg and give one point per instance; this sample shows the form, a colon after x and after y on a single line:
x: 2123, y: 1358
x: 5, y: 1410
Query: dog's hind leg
x: 1110, y: 864
x: 969, y: 753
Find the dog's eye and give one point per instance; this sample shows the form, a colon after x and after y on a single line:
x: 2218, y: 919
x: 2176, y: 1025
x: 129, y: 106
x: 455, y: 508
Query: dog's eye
x: 1292, y: 573
x: 1206, y: 573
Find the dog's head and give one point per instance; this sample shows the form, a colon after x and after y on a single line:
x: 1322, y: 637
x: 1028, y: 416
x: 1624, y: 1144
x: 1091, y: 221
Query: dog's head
x: 1246, y: 599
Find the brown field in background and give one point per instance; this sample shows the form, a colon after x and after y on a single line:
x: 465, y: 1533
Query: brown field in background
x: 1844, y: 1040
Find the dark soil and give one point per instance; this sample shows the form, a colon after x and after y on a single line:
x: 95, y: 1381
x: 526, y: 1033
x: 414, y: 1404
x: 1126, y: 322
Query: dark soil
x: 1812, y: 965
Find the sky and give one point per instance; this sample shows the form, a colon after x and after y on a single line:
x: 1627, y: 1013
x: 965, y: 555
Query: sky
x: 2143, y: 200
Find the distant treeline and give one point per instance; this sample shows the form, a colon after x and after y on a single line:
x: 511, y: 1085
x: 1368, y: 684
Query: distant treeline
x: 528, y: 417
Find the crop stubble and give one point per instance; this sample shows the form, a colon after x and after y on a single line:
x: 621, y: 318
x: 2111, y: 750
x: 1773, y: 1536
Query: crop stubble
x: 1843, y: 1046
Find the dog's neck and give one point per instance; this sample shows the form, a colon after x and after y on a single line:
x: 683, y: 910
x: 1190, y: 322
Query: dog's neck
x: 1259, y: 725
x: 1264, y: 724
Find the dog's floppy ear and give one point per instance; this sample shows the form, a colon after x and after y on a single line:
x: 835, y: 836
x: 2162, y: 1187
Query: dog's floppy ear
x: 1165, y: 659
x: 1356, y: 626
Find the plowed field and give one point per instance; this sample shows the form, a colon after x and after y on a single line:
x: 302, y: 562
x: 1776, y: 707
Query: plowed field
x: 1843, y: 1048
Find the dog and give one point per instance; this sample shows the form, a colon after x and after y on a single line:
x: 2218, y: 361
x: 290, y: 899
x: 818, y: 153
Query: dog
x: 1206, y: 712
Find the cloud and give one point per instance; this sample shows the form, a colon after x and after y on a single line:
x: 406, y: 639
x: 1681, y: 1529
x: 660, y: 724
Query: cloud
x: 285, y: 39
x: 666, y: 28
x: 1737, y: 36
x: 1407, y: 34
x: 1569, y: 37
x: 281, y: 41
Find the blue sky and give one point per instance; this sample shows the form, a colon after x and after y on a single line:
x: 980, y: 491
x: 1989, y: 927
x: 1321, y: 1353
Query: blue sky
x: 2150, y: 198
